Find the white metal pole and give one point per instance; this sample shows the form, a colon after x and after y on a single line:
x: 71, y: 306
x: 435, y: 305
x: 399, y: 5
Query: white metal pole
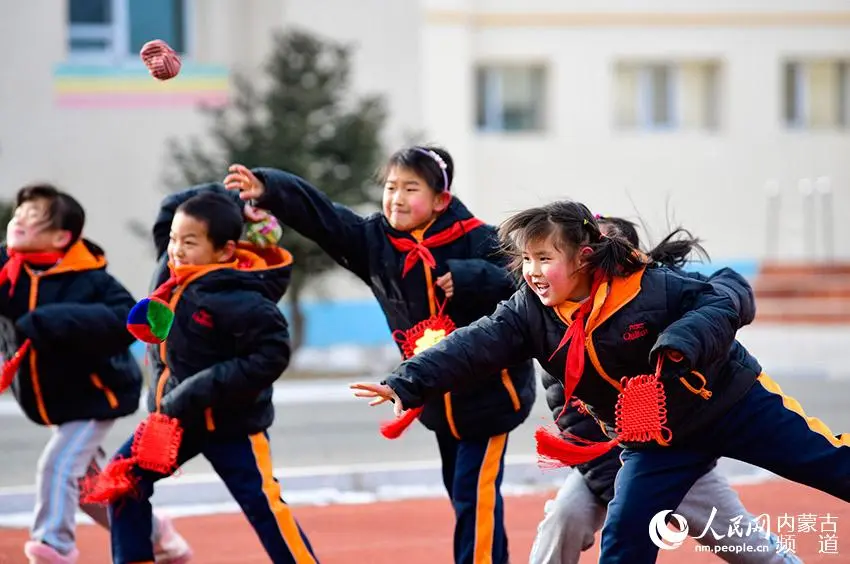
x: 823, y: 186
x: 772, y: 208
x: 804, y: 185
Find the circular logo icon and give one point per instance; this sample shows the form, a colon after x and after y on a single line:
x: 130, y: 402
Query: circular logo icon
x: 662, y: 536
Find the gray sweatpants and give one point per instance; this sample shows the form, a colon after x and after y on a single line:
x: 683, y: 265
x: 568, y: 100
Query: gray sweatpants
x: 573, y: 518
x: 73, y: 451
x: 65, y: 460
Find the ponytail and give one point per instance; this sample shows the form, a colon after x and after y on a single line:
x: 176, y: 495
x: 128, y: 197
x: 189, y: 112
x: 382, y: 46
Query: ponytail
x: 614, y: 256
x: 673, y: 251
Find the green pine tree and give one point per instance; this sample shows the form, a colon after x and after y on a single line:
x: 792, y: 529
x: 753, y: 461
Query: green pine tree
x: 7, y: 210
x: 304, y: 120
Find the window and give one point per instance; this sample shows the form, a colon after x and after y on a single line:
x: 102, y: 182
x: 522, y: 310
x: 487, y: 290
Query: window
x: 114, y: 30
x: 670, y: 95
x: 816, y: 94
x: 510, y: 98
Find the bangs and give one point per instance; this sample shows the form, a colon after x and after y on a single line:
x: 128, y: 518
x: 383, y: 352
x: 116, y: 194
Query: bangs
x: 536, y: 232
x: 523, y: 229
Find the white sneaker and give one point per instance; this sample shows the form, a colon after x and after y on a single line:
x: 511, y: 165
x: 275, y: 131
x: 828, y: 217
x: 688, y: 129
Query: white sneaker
x: 171, y: 548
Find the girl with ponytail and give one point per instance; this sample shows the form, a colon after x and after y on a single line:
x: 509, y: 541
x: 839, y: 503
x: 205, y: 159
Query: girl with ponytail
x: 572, y: 519
x: 650, y: 353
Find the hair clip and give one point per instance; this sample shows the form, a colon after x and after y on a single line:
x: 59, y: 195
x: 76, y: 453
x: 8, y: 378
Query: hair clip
x: 440, y: 163
x: 585, y: 222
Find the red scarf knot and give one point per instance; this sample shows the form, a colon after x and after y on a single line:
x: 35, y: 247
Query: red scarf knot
x: 420, y: 250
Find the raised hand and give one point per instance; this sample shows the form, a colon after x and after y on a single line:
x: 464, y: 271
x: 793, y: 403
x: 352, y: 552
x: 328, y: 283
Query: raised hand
x: 242, y: 179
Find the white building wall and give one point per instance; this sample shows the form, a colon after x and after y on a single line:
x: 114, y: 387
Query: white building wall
x: 111, y: 159
x: 712, y: 181
x: 421, y: 55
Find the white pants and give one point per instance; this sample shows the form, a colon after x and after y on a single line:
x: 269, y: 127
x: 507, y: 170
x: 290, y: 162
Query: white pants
x: 66, y: 458
x: 573, y: 518
x: 73, y: 451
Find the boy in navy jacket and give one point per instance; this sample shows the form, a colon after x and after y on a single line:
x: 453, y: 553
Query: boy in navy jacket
x: 227, y: 345
x: 64, y: 333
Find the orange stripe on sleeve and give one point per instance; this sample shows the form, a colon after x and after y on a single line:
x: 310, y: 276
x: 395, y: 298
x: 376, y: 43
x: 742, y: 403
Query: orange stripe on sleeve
x: 509, y: 386
x: 447, y: 400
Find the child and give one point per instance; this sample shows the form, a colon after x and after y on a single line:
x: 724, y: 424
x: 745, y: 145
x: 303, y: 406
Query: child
x: 577, y: 512
x: 75, y: 372
x: 593, y: 290
x: 226, y: 347
x: 425, y: 257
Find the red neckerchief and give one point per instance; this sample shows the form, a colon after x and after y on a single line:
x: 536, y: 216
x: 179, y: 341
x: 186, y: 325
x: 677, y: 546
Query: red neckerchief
x: 419, y: 250
x: 575, y: 336
x: 10, y: 273
x: 12, y: 269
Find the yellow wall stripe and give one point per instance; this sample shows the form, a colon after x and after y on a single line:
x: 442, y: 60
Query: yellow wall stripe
x: 639, y: 19
x: 113, y: 85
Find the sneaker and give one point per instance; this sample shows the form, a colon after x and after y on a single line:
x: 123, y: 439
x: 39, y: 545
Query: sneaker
x: 171, y: 548
x: 40, y: 553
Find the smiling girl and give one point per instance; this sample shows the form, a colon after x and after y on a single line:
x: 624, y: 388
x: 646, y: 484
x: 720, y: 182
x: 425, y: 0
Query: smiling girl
x: 432, y: 266
x: 583, y: 292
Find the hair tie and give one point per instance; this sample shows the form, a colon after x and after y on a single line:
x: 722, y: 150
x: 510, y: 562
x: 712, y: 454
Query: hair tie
x: 440, y: 163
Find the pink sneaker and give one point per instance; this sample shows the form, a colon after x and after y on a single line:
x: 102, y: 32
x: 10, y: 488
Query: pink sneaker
x: 40, y: 553
x: 171, y: 548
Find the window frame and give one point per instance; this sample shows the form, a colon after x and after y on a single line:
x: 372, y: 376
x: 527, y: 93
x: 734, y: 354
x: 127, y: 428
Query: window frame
x: 844, y: 94
x: 118, y: 32
x: 490, y: 101
x: 646, y: 100
x: 802, y: 120
x: 644, y: 95
x: 799, y: 119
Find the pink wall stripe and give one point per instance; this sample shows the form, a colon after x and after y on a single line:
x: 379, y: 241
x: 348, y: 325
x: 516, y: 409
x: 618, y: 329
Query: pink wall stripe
x: 141, y: 100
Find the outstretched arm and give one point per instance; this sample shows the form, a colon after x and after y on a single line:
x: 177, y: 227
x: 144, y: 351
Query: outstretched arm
x: 92, y: 329
x: 485, y: 347
x: 339, y: 231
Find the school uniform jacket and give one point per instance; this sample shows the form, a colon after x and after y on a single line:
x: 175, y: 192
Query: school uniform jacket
x: 599, y: 473
x: 229, y: 341
x: 79, y: 365
x: 633, y: 319
x: 480, y: 406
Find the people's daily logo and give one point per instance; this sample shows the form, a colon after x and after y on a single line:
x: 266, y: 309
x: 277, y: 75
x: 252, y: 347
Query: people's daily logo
x: 663, y: 536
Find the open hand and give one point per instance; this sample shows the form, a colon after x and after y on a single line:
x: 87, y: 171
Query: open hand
x: 379, y: 393
x: 242, y: 179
